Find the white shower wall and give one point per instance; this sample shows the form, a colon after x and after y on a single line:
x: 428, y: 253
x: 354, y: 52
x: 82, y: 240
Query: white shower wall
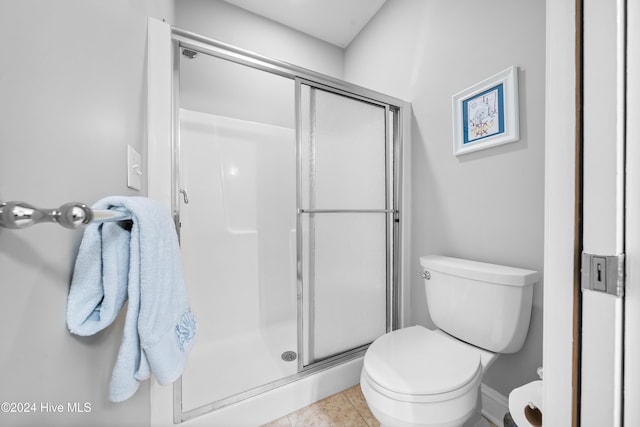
x: 238, y: 245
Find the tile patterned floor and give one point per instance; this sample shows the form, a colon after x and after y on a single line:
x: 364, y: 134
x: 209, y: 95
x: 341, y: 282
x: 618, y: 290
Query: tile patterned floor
x: 345, y: 409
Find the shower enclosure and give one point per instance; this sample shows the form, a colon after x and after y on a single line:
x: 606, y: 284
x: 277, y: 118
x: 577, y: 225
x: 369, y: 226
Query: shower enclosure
x: 286, y: 194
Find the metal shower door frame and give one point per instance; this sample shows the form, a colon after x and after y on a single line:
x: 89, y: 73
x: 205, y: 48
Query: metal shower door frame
x: 395, y: 110
x: 391, y: 210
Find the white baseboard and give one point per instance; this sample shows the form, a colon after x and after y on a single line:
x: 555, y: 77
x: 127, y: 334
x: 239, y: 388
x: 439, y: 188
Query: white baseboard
x: 494, y: 405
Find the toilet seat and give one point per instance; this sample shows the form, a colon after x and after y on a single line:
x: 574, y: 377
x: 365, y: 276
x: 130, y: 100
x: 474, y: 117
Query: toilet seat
x: 416, y: 364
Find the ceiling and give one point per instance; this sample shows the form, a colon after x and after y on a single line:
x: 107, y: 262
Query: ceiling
x: 334, y: 21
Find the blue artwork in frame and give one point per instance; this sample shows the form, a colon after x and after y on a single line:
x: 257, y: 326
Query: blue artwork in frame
x: 486, y: 114
x: 483, y: 114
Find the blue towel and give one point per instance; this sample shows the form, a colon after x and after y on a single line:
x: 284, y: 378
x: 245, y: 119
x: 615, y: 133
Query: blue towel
x: 143, y: 266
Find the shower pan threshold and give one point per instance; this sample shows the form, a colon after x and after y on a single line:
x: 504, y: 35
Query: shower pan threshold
x: 279, y: 398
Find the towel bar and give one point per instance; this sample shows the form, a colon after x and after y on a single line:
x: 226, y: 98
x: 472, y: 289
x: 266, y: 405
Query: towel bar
x: 70, y: 215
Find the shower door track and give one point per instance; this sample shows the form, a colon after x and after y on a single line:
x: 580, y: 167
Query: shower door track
x: 185, y: 39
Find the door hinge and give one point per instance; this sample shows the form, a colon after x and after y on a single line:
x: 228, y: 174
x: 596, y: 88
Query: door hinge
x: 603, y: 273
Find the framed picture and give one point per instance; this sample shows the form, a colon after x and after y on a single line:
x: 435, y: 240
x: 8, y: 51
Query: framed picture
x: 486, y: 114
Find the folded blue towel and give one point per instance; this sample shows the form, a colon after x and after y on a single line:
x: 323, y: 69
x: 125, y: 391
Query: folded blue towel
x: 142, y: 265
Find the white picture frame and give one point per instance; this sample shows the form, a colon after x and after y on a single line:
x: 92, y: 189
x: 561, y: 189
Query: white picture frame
x: 486, y: 114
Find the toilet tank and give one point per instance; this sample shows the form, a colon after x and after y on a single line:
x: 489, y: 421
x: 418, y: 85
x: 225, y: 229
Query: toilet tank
x: 487, y: 305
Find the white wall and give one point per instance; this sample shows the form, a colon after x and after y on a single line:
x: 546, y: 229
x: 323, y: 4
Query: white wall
x: 73, y: 95
x: 229, y: 24
x: 487, y: 205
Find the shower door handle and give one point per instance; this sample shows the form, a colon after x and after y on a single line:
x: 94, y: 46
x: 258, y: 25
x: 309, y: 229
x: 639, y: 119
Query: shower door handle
x: 185, y: 198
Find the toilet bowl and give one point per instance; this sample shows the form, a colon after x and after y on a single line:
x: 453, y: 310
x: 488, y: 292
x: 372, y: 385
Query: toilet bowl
x: 417, y: 377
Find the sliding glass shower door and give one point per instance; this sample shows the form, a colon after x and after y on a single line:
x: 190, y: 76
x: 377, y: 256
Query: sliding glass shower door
x: 286, y: 195
x: 343, y: 218
x: 237, y: 166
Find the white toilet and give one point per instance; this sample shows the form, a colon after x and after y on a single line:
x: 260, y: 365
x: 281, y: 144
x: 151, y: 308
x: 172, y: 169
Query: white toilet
x: 418, y: 377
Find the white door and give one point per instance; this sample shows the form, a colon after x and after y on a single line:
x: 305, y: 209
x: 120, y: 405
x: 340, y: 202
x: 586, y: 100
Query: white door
x: 605, y: 237
x: 632, y: 292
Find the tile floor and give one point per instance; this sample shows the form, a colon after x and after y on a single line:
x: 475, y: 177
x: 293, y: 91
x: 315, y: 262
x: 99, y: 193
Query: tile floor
x: 345, y: 409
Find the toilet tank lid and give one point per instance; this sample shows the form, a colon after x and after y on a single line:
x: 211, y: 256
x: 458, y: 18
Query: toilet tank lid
x: 482, y: 271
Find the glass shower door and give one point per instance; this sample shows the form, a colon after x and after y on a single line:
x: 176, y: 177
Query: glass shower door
x: 345, y: 219
x: 237, y: 165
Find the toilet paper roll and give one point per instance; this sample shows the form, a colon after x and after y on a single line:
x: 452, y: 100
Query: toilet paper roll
x: 525, y: 404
